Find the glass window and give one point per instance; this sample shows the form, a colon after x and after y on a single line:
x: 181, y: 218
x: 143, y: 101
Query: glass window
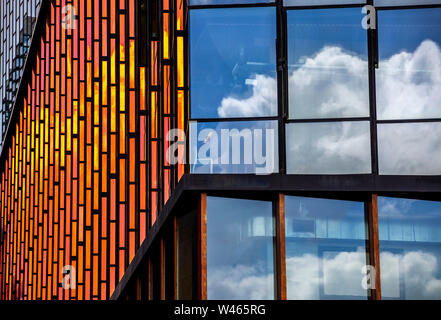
x: 319, y: 2
x: 240, y: 255
x: 325, y: 249
x: 327, y: 64
x: 209, y: 2
x: 328, y: 147
x: 408, y: 80
x: 234, y: 147
x: 404, y: 2
x: 409, y: 148
x: 410, y: 248
x: 233, y: 62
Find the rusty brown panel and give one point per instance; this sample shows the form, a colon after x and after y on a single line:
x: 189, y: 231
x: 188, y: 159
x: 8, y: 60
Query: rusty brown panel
x: 202, y: 247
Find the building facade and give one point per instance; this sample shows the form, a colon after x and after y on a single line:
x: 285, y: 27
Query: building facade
x: 220, y: 149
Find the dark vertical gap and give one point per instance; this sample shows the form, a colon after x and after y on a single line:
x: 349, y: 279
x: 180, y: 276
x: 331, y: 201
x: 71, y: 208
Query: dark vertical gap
x: 282, y: 88
x: 372, y: 41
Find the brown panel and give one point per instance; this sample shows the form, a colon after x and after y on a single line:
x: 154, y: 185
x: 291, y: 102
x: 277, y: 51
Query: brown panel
x: 374, y: 245
x: 202, y: 247
x: 280, y: 247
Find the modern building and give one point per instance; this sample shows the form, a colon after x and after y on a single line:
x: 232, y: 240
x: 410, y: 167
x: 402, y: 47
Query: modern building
x: 220, y: 149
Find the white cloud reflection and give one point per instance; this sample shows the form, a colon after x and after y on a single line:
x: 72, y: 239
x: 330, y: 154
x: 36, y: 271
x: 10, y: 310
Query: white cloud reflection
x: 333, y: 83
x: 341, y: 276
x: 239, y: 282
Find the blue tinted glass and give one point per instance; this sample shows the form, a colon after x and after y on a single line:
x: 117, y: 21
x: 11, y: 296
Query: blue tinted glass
x: 325, y: 248
x: 404, y: 2
x: 240, y: 241
x: 328, y: 148
x: 410, y: 248
x: 327, y: 64
x: 232, y: 62
x: 209, y: 2
x: 408, y: 80
x: 409, y: 148
x: 234, y: 147
x: 319, y: 2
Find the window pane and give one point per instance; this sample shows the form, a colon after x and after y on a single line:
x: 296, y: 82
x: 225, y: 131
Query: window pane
x: 319, y: 2
x: 209, y: 2
x: 328, y: 148
x: 234, y: 147
x: 404, y: 2
x: 240, y: 257
x: 410, y: 248
x: 233, y: 62
x: 409, y: 148
x: 325, y: 248
x: 328, y: 66
x: 408, y: 81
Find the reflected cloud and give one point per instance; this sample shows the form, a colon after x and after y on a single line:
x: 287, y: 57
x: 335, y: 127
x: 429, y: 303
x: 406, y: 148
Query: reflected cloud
x: 410, y: 148
x: 262, y: 102
x: 330, y: 83
x: 239, y: 282
x: 341, y: 275
x: 341, y: 147
x: 420, y: 272
x: 334, y: 83
x: 409, y: 84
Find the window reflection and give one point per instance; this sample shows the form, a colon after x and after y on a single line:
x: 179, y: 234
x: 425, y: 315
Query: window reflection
x: 409, y: 148
x: 408, y: 81
x: 240, y: 257
x: 232, y: 62
x: 319, y: 2
x: 410, y: 248
x: 234, y: 147
x: 328, y: 148
x: 327, y: 54
x: 208, y: 2
x: 404, y: 2
x: 325, y: 248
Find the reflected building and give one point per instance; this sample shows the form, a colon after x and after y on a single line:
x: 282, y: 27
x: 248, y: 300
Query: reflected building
x: 220, y: 149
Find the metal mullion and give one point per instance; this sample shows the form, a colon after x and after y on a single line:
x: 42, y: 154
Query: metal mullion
x: 282, y: 82
x: 372, y: 43
x: 327, y: 6
x: 374, y: 246
x: 421, y: 120
x: 315, y: 120
x: 231, y: 5
x: 201, y: 276
x: 406, y: 7
x: 280, y: 246
x: 234, y: 119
